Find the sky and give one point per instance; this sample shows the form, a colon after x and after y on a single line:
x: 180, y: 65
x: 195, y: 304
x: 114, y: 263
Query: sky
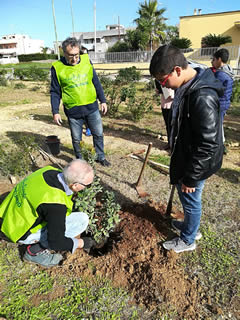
x: 35, y: 17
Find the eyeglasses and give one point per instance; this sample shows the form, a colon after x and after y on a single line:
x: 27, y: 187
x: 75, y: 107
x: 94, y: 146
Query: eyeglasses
x: 85, y: 185
x: 164, y: 81
x: 71, y: 56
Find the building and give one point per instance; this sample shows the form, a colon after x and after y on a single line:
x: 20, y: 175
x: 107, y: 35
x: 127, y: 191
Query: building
x: 104, y: 38
x: 16, y: 44
x: 198, y: 25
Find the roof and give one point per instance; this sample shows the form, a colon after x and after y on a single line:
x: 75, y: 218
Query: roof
x: 210, y: 14
x: 101, y: 33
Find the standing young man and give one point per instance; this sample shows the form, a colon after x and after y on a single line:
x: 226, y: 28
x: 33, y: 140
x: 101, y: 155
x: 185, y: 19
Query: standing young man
x: 196, y: 136
x: 74, y: 80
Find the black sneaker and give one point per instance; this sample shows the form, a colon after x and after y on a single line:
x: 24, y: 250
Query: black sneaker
x: 104, y: 163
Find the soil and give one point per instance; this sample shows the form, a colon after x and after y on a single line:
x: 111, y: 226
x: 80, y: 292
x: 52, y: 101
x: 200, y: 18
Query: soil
x: 133, y: 257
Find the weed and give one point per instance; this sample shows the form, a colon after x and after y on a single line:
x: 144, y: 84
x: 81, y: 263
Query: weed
x: 35, y: 88
x: 161, y: 159
x: 20, y: 86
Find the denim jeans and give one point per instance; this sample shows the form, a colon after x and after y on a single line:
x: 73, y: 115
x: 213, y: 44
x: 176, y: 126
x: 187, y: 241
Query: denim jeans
x: 192, y: 207
x: 76, y: 223
x: 94, y: 123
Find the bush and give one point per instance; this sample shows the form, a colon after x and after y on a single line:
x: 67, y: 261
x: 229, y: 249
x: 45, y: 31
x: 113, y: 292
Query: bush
x: 36, y: 56
x: 213, y: 40
x: 32, y: 73
x: 128, y: 74
x: 20, y: 86
x: 103, y: 217
x: 236, y: 91
x: 181, y: 43
x: 15, y: 159
x: 3, y: 80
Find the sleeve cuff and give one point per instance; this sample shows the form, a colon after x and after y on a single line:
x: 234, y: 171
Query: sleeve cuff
x: 75, y: 244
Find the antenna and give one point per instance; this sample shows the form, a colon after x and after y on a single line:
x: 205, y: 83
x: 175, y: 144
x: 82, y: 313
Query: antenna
x: 55, y: 28
x: 95, y: 33
x: 72, y: 18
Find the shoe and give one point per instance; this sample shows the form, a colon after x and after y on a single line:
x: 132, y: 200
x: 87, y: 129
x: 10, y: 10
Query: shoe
x: 44, y: 258
x: 178, y: 245
x: 177, y: 225
x: 104, y: 163
x: 88, y: 132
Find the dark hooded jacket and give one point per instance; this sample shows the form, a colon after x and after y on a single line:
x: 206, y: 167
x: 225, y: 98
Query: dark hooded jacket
x: 197, y: 152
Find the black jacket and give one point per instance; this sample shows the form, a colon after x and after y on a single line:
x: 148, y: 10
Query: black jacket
x: 198, y: 148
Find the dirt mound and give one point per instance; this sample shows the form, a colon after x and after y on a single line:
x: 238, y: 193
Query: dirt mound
x: 134, y: 258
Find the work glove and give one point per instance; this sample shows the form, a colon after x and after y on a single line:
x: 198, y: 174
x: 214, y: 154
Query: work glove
x: 88, y: 244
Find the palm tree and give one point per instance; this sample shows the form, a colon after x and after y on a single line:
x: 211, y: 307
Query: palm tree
x: 151, y: 20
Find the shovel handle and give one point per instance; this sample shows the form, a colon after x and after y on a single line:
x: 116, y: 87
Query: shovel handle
x: 169, y: 205
x: 144, y: 163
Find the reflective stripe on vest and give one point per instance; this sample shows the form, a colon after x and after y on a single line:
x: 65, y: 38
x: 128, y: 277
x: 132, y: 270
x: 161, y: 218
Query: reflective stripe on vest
x: 76, y: 82
x: 18, y: 209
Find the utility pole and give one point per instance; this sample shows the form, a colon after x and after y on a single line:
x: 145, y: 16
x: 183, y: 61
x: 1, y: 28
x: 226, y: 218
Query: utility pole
x: 118, y: 28
x: 55, y: 28
x: 72, y: 18
x: 95, y: 33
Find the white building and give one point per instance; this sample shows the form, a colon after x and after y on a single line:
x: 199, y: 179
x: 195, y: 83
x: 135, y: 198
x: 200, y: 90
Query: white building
x: 104, y: 38
x: 15, y: 44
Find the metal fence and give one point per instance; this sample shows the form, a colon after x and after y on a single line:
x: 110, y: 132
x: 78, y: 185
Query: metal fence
x: 202, y: 54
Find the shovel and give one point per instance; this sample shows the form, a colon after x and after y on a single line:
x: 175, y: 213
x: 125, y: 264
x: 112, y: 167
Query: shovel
x: 139, y: 188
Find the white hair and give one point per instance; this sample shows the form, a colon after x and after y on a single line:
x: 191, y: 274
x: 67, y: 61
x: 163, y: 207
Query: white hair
x: 76, y: 171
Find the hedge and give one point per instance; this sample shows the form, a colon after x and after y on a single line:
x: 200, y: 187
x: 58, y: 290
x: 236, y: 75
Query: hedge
x: 36, y: 56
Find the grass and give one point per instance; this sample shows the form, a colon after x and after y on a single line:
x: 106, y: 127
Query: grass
x: 217, y: 257
x: 30, y: 293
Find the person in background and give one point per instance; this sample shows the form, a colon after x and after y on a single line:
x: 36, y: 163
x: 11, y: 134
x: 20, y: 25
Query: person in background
x: 224, y: 73
x: 196, y: 136
x: 167, y: 96
x: 74, y: 80
x: 38, y: 213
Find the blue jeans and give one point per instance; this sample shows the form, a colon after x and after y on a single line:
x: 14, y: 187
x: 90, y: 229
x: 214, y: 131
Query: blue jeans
x: 94, y: 123
x: 192, y: 207
x: 76, y: 223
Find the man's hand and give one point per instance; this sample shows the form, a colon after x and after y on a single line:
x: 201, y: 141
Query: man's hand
x: 104, y: 107
x: 187, y: 189
x: 57, y: 119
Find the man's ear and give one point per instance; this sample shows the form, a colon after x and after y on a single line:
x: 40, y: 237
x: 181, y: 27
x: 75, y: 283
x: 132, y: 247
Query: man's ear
x: 178, y: 70
x: 71, y: 187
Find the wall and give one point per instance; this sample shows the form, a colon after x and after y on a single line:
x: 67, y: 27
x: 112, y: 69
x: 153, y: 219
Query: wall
x: 197, y: 26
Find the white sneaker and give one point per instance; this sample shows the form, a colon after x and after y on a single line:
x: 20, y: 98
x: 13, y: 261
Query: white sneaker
x: 178, y: 245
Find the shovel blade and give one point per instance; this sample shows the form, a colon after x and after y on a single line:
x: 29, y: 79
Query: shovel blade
x: 141, y: 192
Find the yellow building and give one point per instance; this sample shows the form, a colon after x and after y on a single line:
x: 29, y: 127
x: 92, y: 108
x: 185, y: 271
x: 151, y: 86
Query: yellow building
x: 199, y: 25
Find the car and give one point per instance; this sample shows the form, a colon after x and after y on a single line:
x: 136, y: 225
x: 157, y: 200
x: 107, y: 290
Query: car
x: 5, y: 59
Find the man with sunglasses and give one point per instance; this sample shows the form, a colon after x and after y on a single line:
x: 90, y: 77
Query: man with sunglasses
x: 75, y: 82
x: 195, y: 139
x: 38, y: 213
